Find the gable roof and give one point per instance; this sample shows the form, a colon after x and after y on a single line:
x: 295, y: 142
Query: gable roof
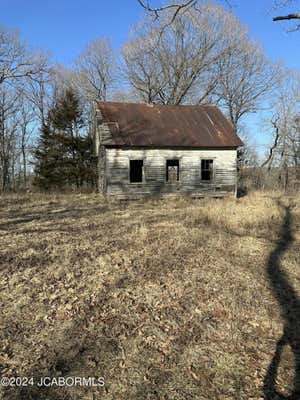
x: 167, y: 125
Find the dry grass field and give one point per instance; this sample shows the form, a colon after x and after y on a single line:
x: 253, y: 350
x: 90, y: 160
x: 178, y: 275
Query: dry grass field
x: 172, y: 299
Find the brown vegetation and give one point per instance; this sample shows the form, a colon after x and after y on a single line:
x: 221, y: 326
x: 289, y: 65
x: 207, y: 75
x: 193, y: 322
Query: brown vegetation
x: 170, y: 299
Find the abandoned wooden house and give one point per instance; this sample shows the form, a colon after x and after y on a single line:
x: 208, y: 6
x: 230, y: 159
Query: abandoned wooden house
x: 147, y: 149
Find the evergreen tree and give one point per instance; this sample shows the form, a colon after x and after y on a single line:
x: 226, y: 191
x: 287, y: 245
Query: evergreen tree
x: 64, y: 155
x: 48, y: 159
x: 67, y: 114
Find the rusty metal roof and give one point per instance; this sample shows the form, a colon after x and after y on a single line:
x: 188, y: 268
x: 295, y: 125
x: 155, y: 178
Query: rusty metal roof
x: 171, y: 125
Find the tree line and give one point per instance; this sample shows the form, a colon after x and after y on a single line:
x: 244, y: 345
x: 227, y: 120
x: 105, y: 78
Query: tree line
x: 201, y: 55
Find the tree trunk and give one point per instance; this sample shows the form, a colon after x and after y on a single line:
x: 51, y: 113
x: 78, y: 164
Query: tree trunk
x: 23, y: 149
x: 101, y: 170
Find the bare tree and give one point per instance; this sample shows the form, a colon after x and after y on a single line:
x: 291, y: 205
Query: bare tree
x: 245, y: 78
x: 38, y: 91
x: 95, y: 70
x: 284, y: 152
x: 16, y: 61
x: 172, y: 65
x: 20, y: 70
x: 26, y: 118
x: 8, y: 134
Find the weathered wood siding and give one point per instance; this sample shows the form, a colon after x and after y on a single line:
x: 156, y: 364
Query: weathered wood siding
x: 100, y: 131
x: 117, y: 171
x: 101, y: 136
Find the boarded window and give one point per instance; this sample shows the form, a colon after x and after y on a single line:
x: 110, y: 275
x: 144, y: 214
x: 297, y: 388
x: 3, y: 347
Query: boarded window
x: 207, y: 170
x: 172, y: 171
x: 136, y: 171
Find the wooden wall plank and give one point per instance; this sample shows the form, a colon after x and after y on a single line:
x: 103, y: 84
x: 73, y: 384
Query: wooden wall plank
x: 117, y: 171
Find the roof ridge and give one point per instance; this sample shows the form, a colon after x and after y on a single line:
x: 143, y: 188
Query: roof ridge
x: 152, y: 105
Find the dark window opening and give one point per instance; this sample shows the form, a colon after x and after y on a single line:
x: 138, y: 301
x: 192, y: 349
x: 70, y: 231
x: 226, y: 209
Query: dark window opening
x: 207, y: 170
x: 136, y: 171
x: 172, y: 171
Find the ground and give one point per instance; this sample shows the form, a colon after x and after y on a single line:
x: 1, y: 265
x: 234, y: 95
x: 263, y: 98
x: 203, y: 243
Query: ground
x: 165, y: 299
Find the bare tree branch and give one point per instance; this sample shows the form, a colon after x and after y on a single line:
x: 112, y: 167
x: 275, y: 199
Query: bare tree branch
x: 274, y: 146
x: 287, y: 16
x: 178, y: 7
x: 284, y: 17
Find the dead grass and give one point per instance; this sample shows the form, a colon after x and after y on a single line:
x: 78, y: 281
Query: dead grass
x: 164, y: 299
